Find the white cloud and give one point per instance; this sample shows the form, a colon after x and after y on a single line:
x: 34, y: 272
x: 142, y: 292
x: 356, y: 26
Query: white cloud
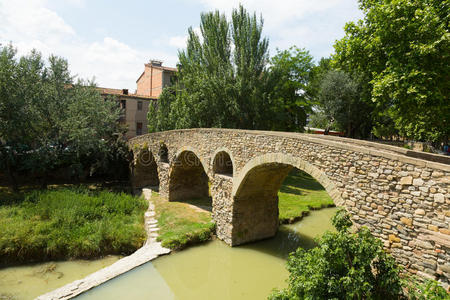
x: 30, y: 20
x: 178, y: 41
x: 31, y: 25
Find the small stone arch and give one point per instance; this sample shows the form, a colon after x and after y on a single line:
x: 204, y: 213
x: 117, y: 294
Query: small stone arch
x: 255, y: 194
x: 223, y: 162
x: 145, y: 170
x: 187, y: 177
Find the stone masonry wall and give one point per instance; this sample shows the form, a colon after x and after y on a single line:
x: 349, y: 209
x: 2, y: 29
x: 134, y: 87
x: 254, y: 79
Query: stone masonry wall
x: 404, y: 201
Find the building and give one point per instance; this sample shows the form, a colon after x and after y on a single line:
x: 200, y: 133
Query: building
x: 135, y: 105
x: 154, y: 78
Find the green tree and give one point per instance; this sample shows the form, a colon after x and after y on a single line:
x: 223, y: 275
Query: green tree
x: 315, y: 78
x: 345, y: 265
x: 225, y: 80
x: 401, y: 53
x: 340, y: 101
x: 48, y: 122
x: 288, y: 81
x: 219, y: 78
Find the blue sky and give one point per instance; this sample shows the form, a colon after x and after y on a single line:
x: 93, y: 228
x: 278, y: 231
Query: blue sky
x: 111, y: 40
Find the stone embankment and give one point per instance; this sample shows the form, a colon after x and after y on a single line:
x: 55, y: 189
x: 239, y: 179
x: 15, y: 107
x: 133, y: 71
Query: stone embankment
x: 151, y: 250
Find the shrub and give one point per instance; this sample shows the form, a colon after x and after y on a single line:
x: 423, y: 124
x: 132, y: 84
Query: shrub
x: 345, y: 265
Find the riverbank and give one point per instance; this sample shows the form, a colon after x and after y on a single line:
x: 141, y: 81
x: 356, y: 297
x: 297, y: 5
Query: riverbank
x: 149, y: 251
x: 68, y: 223
x: 183, y: 223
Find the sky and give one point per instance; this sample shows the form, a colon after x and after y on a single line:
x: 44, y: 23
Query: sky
x: 110, y: 40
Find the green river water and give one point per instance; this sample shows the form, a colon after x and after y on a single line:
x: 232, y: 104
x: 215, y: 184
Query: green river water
x: 209, y: 271
x: 217, y: 271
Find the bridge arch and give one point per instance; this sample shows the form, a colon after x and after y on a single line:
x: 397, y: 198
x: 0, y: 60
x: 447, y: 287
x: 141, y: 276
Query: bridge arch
x: 145, y: 169
x: 188, y: 178
x: 255, y: 194
x: 223, y: 162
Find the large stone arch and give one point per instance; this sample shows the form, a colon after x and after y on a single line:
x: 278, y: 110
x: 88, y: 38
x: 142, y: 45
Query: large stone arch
x: 255, y: 194
x: 188, y: 177
x: 145, y: 170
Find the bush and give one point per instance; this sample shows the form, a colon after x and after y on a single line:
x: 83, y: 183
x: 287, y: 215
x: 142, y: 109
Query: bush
x: 345, y: 265
x: 348, y: 265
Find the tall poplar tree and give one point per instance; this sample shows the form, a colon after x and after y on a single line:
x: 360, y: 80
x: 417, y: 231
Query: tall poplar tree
x: 221, y: 76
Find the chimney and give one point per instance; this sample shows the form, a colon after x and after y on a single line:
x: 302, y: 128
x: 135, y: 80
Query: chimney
x: 156, y: 63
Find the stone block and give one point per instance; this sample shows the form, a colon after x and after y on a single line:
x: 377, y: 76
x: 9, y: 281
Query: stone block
x: 408, y: 180
x: 420, y: 212
x: 417, y: 182
x: 406, y: 221
x: 439, y: 198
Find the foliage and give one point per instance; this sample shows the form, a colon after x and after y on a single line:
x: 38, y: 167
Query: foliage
x: 319, y: 119
x: 316, y: 76
x: 70, y: 223
x: 340, y: 101
x: 345, y: 265
x: 426, y: 290
x: 48, y: 122
x: 288, y: 101
x: 400, y: 51
x: 224, y: 80
x: 298, y: 194
x: 180, y: 224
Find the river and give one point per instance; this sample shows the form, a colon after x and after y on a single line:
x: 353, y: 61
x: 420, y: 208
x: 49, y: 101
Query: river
x: 216, y: 271
x: 31, y: 280
x: 211, y: 270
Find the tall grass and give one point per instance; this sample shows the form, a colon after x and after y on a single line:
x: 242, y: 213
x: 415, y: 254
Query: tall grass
x: 70, y: 223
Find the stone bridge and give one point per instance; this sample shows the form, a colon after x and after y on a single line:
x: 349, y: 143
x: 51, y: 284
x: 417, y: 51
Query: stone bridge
x: 403, y: 200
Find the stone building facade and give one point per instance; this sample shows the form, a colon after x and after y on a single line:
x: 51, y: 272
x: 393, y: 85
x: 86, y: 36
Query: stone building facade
x: 403, y: 200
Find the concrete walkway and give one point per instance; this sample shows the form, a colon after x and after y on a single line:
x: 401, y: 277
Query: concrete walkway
x: 151, y: 250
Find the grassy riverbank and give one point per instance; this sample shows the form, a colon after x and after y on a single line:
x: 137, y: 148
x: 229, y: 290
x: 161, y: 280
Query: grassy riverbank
x: 66, y: 223
x: 183, y: 223
x: 300, y: 193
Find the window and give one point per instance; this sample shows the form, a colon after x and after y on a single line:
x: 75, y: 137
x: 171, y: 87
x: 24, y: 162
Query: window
x: 139, y: 105
x: 138, y: 128
x: 123, y: 104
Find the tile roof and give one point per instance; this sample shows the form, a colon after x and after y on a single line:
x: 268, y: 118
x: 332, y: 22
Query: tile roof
x: 119, y: 92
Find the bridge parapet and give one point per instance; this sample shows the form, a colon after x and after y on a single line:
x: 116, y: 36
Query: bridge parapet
x: 405, y: 201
